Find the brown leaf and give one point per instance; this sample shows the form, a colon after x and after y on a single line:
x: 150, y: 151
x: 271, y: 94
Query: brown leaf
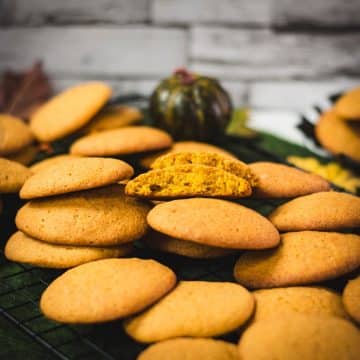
x: 21, y: 93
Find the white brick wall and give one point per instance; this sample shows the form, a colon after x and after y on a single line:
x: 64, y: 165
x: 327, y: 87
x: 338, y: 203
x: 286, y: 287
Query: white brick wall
x: 280, y: 54
x: 212, y: 11
x: 132, y: 51
x: 38, y: 12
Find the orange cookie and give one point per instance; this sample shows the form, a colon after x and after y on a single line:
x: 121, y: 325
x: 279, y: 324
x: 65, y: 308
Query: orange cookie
x: 124, y: 141
x: 320, y: 211
x: 281, y: 181
x: 214, y: 222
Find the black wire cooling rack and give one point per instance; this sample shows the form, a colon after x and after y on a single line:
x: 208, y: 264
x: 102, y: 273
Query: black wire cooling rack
x: 21, y: 286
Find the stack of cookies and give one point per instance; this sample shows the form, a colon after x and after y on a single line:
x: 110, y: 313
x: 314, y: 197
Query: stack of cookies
x: 16, y: 140
x: 77, y: 213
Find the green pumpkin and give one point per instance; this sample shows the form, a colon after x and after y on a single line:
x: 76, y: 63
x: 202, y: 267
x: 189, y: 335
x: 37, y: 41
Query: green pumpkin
x: 191, y: 107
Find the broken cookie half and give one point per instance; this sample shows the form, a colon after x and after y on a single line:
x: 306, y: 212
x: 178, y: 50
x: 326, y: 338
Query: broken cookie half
x: 185, y: 175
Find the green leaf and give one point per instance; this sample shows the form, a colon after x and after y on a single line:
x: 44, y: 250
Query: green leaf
x: 238, y: 124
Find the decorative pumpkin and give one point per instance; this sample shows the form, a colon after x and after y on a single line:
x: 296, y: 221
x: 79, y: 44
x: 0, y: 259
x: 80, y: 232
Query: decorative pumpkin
x: 190, y: 106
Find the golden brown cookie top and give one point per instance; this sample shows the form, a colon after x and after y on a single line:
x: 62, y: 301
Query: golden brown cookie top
x: 214, y: 222
x: 14, y: 134
x: 106, y: 290
x: 320, y: 211
x: 348, y: 105
x: 193, y: 308
x: 190, y: 349
x: 281, y: 181
x: 351, y: 298
x: 12, y: 176
x: 69, y: 111
x: 124, y: 141
x: 97, y: 217
x: 186, y: 146
x: 311, y: 300
x: 304, y: 257
x: 299, y: 337
x: 25, y: 249
x: 338, y: 136
x: 75, y: 174
x: 42, y: 164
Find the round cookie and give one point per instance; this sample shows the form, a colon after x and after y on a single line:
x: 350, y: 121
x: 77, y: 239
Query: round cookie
x: 338, y: 136
x: 203, y: 312
x: 162, y: 242
x: 69, y: 111
x: 25, y: 156
x: 113, y: 117
x: 24, y: 249
x: 12, y: 176
x: 300, y: 337
x: 351, y: 298
x: 281, y: 181
x: 320, y: 211
x: 214, y: 222
x: 190, y: 349
x: 75, y: 174
x: 183, y: 181
x: 14, y: 134
x: 43, y: 164
x: 106, y: 290
x: 348, y: 105
x: 186, y: 146
x: 274, y: 303
x: 304, y: 257
x: 124, y: 141
x: 98, y: 217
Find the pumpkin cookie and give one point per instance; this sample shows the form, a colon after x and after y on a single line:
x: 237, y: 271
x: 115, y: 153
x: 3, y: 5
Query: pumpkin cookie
x: 14, y: 134
x: 98, y: 217
x: 190, y: 349
x: 300, y: 337
x: 214, y: 222
x: 338, y: 136
x: 301, y: 299
x: 233, y: 166
x: 43, y: 164
x: 75, y: 174
x: 113, y: 117
x: 162, y: 242
x: 320, y: 211
x: 106, y: 290
x: 304, y: 257
x: 125, y: 141
x: 281, y: 181
x: 202, y: 314
x: 69, y: 111
x: 184, y: 181
x: 25, y: 156
x: 351, y: 298
x: 348, y: 105
x: 186, y: 146
x: 24, y: 249
x: 12, y: 176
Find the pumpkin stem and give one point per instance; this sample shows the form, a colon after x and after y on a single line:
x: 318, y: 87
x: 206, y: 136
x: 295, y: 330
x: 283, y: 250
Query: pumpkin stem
x: 184, y: 75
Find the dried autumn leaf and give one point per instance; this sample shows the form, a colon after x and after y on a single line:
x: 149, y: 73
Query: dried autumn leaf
x: 22, y: 92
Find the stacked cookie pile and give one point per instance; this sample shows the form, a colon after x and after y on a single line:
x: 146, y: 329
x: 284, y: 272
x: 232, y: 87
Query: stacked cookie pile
x: 80, y: 217
x: 77, y: 213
